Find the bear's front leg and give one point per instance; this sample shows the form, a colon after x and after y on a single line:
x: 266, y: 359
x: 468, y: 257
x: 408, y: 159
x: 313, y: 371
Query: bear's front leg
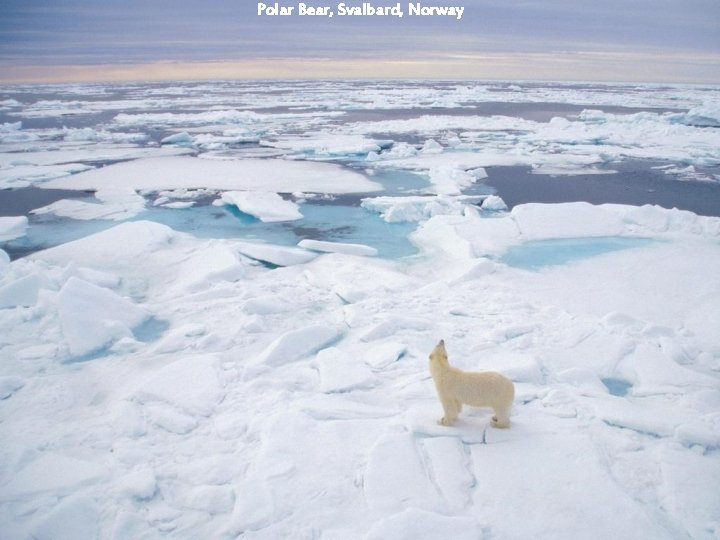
x: 450, y: 409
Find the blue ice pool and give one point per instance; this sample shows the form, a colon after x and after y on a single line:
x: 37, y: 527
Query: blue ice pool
x: 538, y: 254
x: 617, y: 387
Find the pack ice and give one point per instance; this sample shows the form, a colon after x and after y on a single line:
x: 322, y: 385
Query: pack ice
x: 237, y: 419
x: 157, y: 384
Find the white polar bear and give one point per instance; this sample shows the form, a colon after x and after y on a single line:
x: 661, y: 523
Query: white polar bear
x: 479, y: 389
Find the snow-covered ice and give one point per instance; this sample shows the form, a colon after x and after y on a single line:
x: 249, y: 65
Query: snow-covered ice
x: 338, y: 247
x: 114, y: 203
x: 266, y: 206
x: 13, y: 227
x: 418, y: 207
x: 165, y: 384
x: 246, y: 174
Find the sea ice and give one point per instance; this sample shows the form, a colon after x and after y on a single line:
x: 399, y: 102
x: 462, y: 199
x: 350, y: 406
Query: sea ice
x: 448, y: 180
x: 190, y: 384
x: 395, y: 477
x: 275, y: 255
x: 12, y: 227
x: 274, y: 175
x: 11, y: 132
x: 9, y: 385
x: 23, y: 175
x: 182, y: 138
x: 414, y: 523
x: 139, y: 484
x: 292, y: 399
x: 338, y: 247
x: 20, y: 292
x: 73, y: 158
x: 94, y: 135
x: 417, y: 207
x: 115, y: 203
x: 120, y: 246
x: 329, y: 145
x: 296, y: 344
x: 53, y: 472
x: 266, y: 206
x: 340, y: 372
x: 92, y: 317
x: 204, y: 268
x: 494, y: 203
x: 74, y: 517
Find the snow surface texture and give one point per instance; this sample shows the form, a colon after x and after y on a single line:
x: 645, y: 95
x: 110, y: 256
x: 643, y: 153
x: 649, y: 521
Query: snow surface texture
x: 271, y: 406
x: 158, y: 385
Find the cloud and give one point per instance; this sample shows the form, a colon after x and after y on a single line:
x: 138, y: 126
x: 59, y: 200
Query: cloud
x: 618, y: 66
x: 88, y: 34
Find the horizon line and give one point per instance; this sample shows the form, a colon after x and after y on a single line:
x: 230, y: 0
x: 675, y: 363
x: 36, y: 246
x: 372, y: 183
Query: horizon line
x: 607, y: 67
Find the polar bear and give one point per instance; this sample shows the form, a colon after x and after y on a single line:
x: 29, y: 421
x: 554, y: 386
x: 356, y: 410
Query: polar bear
x: 479, y: 389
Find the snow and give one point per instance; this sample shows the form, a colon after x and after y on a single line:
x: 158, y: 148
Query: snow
x: 92, y: 317
x: 275, y: 255
x: 20, y: 292
x: 247, y: 174
x: 266, y: 206
x: 297, y: 344
x: 396, y: 478
x: 115, y: 203
x: 53, y: 472
x: 494, y: 203
x: 53, y: 153
x: 341, y: 373
x: 155, y: 383
x: 414, y: 523
x: 204, y: 268
x: 338, y: 247
x: 12, y: 227
x: 21, y: 175
x: 349, y: 381
x: 93, y: 135
x: 182, y: 138
x: 418, y: 207
x: 449, y: 180
x: 328, y: 144
x: 190, y: 384
x: 9, y: 385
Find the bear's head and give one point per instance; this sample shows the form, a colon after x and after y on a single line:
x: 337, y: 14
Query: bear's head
x: 439, y: 354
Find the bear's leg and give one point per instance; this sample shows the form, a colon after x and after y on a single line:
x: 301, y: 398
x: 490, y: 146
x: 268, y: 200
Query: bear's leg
x: 451, y: 410
x: 501, y: 418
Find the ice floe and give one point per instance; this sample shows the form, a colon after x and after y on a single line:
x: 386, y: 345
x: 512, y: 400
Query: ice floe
x: 114, y: 203
x: 350, y: 381
x: 246, y: 174
x: 12, y: 227
x: 266, y: 206
x: 338, y: 247
x: 92, y: 317
x: 418, y: 207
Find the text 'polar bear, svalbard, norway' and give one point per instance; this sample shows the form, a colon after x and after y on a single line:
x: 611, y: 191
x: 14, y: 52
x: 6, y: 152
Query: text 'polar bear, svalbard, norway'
x: 366, y: 9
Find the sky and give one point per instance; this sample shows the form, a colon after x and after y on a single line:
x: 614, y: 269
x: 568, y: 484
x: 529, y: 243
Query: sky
x: 611, y: 40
